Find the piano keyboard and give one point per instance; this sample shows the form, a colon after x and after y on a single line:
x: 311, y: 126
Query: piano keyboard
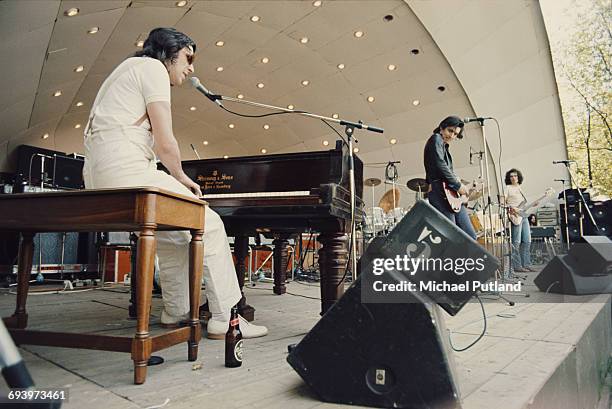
x: 256, y: 194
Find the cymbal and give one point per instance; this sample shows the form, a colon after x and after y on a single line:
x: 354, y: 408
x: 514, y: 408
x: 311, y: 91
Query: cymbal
x: 386, y: 201
x: 418, y: 185
x: 475, y: 194
x: 371, y: 182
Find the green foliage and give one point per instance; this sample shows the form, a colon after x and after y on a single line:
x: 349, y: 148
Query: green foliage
x: 583, y: 66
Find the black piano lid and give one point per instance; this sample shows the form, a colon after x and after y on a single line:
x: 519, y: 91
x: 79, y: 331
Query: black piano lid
x: 300, y: 171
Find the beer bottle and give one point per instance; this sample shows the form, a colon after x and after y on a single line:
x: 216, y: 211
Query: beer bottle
x: 233, y: 341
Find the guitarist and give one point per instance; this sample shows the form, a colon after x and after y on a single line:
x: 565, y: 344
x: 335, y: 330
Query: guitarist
x: 439, y: 171
x: 519, y: 226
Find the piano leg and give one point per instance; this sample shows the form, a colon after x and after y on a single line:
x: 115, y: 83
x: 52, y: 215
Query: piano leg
x: 281, y: 257
x: 333, y: 257
x: 241, y: 250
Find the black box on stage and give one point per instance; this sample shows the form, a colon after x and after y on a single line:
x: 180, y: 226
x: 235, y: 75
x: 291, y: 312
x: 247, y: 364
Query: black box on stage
x: 561, y: 276
x: 593, y: 255
x: 449, y: 254
x: 68, y: 172
x: 394, y: 353
x: 379, y: 355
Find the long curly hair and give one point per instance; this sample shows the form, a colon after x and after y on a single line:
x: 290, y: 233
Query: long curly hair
x: 518, y: 172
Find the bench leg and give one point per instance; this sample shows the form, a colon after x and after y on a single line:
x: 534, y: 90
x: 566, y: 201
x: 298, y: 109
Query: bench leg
x: 141, y: 345
x: 24, y: 271
x: 196, y: 265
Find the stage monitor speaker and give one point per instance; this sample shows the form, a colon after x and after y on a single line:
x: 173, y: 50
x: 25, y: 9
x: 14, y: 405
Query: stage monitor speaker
x: 559, y: 276
x: 593, y: 255
x: 447, y: 255
x: 379, y: 355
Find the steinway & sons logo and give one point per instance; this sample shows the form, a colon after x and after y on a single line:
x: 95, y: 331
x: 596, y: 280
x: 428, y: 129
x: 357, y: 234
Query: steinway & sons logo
x: 215, y: 181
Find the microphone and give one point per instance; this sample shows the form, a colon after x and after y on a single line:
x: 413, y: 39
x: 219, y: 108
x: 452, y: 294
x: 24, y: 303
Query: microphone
x: 476, y: 119
x: 195, y: 82
x: 471, y: 153
x: 194, y: 151
x: 565, y: 162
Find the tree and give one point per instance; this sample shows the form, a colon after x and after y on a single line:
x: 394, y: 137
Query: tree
x: 584, y: 75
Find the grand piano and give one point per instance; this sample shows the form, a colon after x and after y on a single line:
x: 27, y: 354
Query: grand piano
x: 280, y: 196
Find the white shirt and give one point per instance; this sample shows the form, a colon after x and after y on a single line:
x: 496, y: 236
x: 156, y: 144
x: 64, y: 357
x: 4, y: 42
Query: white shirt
x: 514, y: 195
x: 136, y: 82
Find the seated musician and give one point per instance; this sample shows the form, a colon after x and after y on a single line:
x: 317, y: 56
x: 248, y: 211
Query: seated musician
x: 130, y: 124
x: 439, y: 168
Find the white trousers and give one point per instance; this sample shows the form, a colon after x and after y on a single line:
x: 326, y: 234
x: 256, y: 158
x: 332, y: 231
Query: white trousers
x: 124, y: 158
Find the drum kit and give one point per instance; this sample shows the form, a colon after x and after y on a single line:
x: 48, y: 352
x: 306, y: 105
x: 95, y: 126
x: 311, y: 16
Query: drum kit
x: 381, y: 219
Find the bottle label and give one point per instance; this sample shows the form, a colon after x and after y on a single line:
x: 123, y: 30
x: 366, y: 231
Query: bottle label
x: 238, y: 351
x: 234, y: 322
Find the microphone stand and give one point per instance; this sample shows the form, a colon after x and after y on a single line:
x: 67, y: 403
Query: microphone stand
x: 488, y: 204
x: 567, y: 241
x: 349, y: 129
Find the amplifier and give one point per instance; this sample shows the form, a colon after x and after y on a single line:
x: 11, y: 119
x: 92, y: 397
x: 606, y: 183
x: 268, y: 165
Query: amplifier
x: 548, y: 217
x: 538, y: 232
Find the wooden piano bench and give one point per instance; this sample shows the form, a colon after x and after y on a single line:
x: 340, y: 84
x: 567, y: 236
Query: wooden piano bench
x: 141, y: 209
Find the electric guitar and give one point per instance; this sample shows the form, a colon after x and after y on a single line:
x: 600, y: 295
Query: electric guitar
x: 516, y: 217
x: 454, y: 199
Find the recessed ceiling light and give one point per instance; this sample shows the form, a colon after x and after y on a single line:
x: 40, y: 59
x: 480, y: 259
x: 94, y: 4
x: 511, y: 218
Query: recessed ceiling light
x: 415, y: 51
x: 370, y: 99
x: 391, y: 67
x: 265, y: 60
x: 392, y: 141
x: 225, y: 156
x: 139, y: 43
x: 335, y: 116
x: 416, y: 102
x: 325, y: 143
x: 219, y: 69
x: 255, y: 19
x: 93, y: 30
x: 388, y: 17
x: 304, y: 40
x: 79, y: 68
x: 77, y: 126
x: 290, y: 106
x: 231, y: 126
x: 239, y: 96
x: 317, y: 3
x: 205, y: 142
x: 356, y: 150
x: 220, y: 43
x: 340, y: 66
x: 263, y: 150
x: 71, y: 12
x: 260, y: 85
x: 441, y: 88
x: 45, y: 136
x: 181, y: 3
x: 305, y: 82
x: 266, y: 126
x: 57, y: 93
x: 358, y: 34
x: 79, y: 104
x: 192, y: 108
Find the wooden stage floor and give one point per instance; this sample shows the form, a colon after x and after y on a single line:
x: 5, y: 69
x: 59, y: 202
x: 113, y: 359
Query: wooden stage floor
x: 527, y: 359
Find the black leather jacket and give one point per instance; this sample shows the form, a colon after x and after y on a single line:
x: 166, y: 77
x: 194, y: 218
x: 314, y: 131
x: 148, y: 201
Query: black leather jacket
x: 439, y: 162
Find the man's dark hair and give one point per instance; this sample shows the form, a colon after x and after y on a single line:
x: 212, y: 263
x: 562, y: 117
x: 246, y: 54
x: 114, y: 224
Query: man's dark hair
x: 164, y: 44
x: 518, y: 172
x: 451, y: 122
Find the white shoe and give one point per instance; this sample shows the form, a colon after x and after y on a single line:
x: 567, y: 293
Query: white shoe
x: 217, y: 329
x: 172, y: 321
